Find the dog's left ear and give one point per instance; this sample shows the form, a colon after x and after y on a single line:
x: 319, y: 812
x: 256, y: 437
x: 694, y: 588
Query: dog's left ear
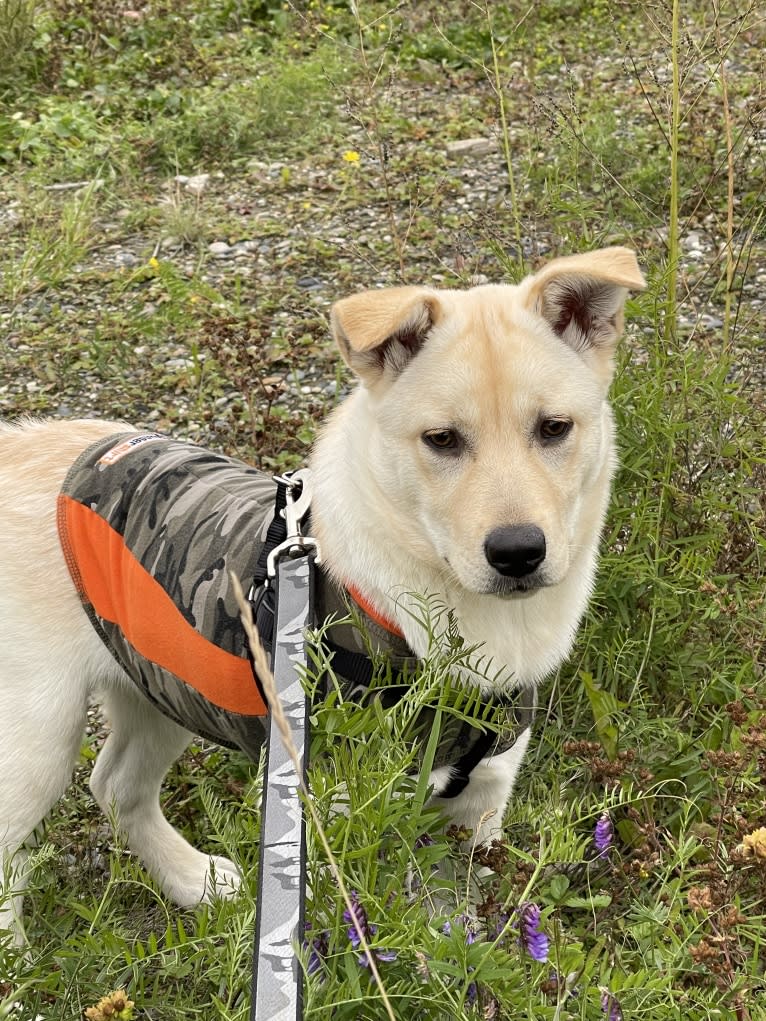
x: 380, y: 332
x: 582, y: 298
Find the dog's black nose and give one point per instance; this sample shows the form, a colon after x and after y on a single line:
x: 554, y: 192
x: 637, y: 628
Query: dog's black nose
x: 515, y: 550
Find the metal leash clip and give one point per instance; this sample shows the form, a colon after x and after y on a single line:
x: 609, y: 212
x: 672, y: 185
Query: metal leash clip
x: 296, y: 543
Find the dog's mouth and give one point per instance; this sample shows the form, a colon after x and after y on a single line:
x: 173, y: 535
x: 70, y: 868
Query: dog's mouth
x: 514, y: 588
x: 503, y: 587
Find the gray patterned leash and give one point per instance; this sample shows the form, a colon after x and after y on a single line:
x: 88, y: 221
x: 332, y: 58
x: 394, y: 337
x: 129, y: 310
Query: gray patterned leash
x: 277, y: 973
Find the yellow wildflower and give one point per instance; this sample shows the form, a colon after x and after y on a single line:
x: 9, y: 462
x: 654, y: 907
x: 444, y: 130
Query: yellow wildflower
x: 754, y: 844
x: 154, y: 263
x: 351, y: 156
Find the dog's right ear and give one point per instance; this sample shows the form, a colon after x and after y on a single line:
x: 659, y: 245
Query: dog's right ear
x: 380, y: 332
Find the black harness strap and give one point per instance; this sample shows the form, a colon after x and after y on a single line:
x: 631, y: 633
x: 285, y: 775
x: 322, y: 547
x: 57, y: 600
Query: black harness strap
x: 262, y: 593
x: 354, y: 667
x: 481, y: 748
x: 276, y: 534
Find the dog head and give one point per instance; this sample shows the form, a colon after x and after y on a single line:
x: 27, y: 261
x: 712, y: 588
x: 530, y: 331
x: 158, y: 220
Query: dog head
x: 486, y: 410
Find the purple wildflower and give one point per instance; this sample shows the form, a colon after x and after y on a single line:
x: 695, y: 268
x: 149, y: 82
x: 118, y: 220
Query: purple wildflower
x: 318, y: 946
x: 472, y: 994
x: 603, y: 835
x: 358, y: 923
x: 358, y: 927
x: 610, y: 1006
x: 532, y: 939
x: 424, y: 840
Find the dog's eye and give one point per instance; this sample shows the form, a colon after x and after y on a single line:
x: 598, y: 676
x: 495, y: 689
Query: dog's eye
x: 443, y: 441
x: 554, y: 428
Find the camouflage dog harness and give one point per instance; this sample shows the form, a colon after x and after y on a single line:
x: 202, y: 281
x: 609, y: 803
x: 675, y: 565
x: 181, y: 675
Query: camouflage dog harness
x: 151, y: 527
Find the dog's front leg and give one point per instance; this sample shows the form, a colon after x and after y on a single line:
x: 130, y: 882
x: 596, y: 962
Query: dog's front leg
x: 481, y: 804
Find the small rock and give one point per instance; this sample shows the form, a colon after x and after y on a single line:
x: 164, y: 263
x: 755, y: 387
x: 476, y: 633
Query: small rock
x: 471, y: 147
x: 126, y: 259
x: 197, y: 184
x: 711, y: 322
x: 9, y: 219
x: 692, y: 241
x: 245, y: 247
x: 219, y: 249
x: 96, y: 183
x: 308, y: 283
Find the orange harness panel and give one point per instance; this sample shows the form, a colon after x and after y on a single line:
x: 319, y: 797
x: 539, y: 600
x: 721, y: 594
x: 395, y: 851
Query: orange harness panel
x: 125, y: 594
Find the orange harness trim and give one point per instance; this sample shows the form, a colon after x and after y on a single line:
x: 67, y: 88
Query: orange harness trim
x: 376, y: 615
x: 121, y: 590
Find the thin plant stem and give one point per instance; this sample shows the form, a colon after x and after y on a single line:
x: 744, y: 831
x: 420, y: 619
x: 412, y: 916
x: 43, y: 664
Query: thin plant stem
x: 730, y: 262
x: 675, y: 124
x: 370, y: 81
x: 506, y: 139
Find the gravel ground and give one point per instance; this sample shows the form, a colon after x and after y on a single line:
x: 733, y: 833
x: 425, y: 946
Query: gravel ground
x: 282, y: 239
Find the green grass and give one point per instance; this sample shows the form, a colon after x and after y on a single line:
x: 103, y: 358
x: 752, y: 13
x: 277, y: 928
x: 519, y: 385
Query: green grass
x: 658, y: 715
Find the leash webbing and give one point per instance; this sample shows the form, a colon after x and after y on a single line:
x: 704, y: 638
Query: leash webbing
x: 280, y: 913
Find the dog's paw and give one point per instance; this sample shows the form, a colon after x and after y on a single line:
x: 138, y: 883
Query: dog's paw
x: 223, y: 879
x: 201, y: 879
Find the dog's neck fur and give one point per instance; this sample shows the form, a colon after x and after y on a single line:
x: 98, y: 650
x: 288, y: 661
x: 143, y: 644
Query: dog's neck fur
x: 525, y: 637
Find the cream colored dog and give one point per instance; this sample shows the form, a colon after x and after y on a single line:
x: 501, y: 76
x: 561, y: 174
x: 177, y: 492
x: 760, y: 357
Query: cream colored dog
x: 472, y: 464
